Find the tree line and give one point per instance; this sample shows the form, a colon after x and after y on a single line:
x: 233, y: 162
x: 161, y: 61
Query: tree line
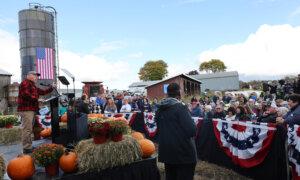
x: 157, y: 69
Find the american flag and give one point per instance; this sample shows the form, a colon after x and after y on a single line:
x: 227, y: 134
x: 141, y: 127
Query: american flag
x: 44, y: 63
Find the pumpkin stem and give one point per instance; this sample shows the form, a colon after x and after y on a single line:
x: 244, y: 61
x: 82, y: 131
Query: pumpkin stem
x: 20, y: 155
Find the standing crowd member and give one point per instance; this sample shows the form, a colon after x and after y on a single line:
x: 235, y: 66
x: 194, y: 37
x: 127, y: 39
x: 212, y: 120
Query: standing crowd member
x: 293, y: 116
x: 195, y: 108
x: 176, y: 131
x: 82, y: 105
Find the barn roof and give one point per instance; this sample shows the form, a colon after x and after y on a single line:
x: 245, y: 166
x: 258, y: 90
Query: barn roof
x: 181, y: 75
x: 216, y: 75
x: 143, y: 83
x: 5, y: 73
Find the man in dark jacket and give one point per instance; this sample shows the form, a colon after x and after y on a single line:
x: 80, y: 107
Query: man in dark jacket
x: 219, y: 112
x: 176, y: 130
x: 293, y: 116
x: 141, y: 103
x: 82, y: 105
x: 269, y: 116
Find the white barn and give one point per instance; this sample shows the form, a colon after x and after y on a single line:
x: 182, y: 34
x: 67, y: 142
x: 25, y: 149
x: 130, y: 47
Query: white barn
x: 222, y: 81
x: 140, y: 87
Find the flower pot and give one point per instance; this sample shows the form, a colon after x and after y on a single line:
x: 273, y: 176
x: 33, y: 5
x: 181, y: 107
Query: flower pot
x: 117, y: 138
x: 8, y: 126
x: 99, y: 139
x: 52, y: 170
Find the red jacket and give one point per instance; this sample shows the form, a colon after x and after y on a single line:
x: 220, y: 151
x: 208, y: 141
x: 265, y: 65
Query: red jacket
x: 29, y: 95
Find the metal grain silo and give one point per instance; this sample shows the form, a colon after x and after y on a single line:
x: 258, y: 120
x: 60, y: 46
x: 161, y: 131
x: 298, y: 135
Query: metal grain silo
x: 38, y: 40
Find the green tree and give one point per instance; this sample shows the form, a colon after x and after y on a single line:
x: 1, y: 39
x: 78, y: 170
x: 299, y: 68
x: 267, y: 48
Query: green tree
x: 153, y: 70
x: 214, y: 65
x: 193, y: 72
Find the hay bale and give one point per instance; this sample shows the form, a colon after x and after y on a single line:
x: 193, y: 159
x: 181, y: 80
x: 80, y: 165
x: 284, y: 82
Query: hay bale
x: 10, y: 136
x: 96, y: 157
x: 208, y: 171
x: 2, y: 167
x: 213, y: 171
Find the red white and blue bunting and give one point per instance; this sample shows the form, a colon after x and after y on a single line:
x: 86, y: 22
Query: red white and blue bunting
x: 43, y: 121
x: 247, y: 144
x: 197, y: 119
x: 150, y: 124
x: 294, y: 149
x: 198, y: 122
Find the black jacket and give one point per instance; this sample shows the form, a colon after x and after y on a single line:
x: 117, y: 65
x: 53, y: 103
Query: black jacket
x: 269, y: 118
x: 176, y: 130
x: 82, y: 107
x: 220, y: 115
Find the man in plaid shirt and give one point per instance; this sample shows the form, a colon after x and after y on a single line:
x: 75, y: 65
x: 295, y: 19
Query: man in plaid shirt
x: 28, y: 104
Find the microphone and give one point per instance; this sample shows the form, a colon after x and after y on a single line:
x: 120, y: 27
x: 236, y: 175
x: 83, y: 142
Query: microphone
x: 43, y: 84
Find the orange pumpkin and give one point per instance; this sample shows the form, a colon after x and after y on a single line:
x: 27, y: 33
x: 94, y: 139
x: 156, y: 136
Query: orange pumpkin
x: 21, y: 167
x: 147, y: 147
x: 68, y: 162
x: 64, y: 118
x: 91, y: 115
x: 121, y: 119
x: 99, y: 115
x: 46, y: 132
x: 137, y: 135
x: 95, y: 115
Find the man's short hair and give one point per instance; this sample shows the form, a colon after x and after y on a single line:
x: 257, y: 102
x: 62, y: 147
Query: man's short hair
x: 295, y: 98
x: 173, y: 90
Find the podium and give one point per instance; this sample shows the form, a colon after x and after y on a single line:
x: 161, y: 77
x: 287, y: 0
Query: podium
x: 77, y: 126
x: 53, y: 100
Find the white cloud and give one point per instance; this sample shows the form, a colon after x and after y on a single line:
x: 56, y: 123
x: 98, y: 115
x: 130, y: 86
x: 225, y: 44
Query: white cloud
x: 86, y: 67
x: 106, y: 47
x: 9, y: 56
x: 136, y: 55
x: 5, y: 20
x: 178, y: 68
x: 296, y: 12
x: 93, y: 68
x: 271, y: 50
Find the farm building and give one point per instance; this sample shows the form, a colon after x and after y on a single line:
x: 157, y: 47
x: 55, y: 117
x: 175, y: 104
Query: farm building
x: 5, y: 79
x: 188, y: 86
x: 140, y: 87
x: 222, y: 81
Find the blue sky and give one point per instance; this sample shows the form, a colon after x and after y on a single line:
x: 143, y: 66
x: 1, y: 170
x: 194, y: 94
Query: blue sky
x: 177, y: 31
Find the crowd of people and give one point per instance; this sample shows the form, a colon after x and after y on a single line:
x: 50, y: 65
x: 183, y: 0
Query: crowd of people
x: 110, y: 103
x: 270, y: 106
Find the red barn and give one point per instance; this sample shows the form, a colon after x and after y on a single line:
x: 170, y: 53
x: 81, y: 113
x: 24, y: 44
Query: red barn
x: 93, y: 88
x: 188, y: 86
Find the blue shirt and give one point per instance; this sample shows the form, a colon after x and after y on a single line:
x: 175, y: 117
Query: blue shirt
x: 99, y: 101
x: 196, y: 112
x: 293, y: 116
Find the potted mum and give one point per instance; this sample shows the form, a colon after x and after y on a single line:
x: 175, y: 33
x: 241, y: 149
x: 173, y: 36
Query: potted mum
x: 99, y: 131
x: 47, y: 155
x: 8, y: 121
x: 117, y: 129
